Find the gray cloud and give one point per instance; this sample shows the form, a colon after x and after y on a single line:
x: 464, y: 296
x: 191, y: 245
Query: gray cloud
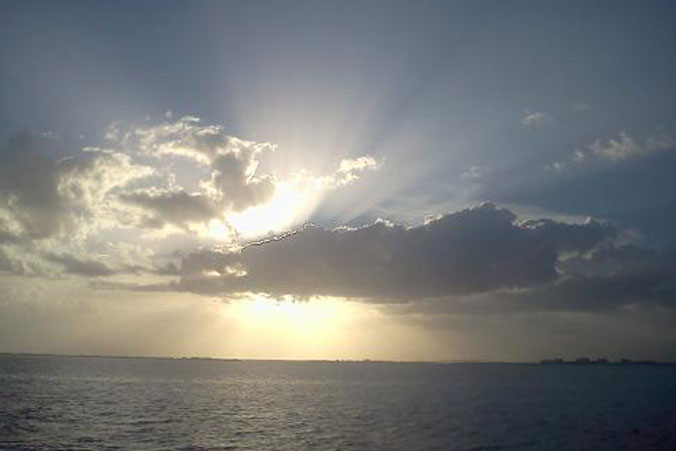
x: 174, y: 207
x: 480, y: 260
x: 599, y: 293
x: 581, y: 293
x: 43, y: 197
x: 616, y: 276
x: 609, y: 278
x: 622, y: 260
x: 471, y: 251
x: 234, y: 182
x: 7, y: 237
x: 29, y: 189
x: 82, y: 267
x: 49, y: 205
x: 5, y: 262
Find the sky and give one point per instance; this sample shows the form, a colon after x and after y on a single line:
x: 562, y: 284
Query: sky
x: 428, y: 180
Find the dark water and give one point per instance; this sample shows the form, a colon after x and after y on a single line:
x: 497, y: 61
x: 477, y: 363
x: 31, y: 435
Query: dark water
x: 107, y: 403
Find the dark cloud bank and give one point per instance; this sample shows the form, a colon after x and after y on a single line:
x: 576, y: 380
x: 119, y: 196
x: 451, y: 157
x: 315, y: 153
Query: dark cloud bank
x: 473, y: 253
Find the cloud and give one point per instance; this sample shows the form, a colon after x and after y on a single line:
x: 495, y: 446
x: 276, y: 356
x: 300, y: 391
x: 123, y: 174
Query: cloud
x: 24, y: 259
x: 482, y: 260
x: 575, y: 294
x: 234, y: 184
x: 43, y: 197
x: 188, y: 137
x: 171, y: 207
x: 29, y: 195
x: 178, y: 177
x: 5, y: 262
x: 230, y: 181
x: 83, y: 267
x: 472, y: 251
x: 473, y: 173
x: 615, y: 150
x: 626, y: 147
x: 620, y: 276
x: 536, y: 119
x: 7, y: 237
x: 598, y: 293
x: 88, y: 267
x: 54, y: 207
x: 349, y: 168
x: 609, y: 278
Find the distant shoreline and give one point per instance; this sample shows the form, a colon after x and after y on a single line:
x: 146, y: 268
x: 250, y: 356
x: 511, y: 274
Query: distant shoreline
x: 544, y: 362
x: 587, y: 361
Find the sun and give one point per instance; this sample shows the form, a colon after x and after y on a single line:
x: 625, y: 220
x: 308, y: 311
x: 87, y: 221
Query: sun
x: 308, y: 327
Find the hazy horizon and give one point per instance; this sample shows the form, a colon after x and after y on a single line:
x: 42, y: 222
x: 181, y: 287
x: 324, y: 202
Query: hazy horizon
x: 579, y: 360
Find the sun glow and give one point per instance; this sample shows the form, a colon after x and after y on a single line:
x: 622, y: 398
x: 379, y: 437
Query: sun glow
x: 317, y: 323
x: 289, y: 206
x: 314, y: 314
x: 219, y: 230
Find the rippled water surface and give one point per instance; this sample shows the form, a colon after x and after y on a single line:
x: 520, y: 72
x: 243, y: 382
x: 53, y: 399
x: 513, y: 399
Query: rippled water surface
x: 113, y: 403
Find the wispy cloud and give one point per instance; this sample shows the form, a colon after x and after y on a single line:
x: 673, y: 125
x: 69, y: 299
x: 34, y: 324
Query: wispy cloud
x: 615, y: 150
x: 535, y: 119
x: 624, y: 147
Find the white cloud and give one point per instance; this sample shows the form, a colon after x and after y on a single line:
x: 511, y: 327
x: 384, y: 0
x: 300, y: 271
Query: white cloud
x: 536, y: 119
x: 188, y: 137
x: 557, y: 166
x: 348, y: 171
x: 615, y: 150
x: 579, y: 156
x: 626, y: 147
x: 357, y: 164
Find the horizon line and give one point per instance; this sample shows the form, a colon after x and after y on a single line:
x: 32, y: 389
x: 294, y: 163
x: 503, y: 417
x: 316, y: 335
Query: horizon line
x: 547, y: 362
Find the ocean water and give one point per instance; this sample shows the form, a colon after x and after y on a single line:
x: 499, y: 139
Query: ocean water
x: 97, y: 403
